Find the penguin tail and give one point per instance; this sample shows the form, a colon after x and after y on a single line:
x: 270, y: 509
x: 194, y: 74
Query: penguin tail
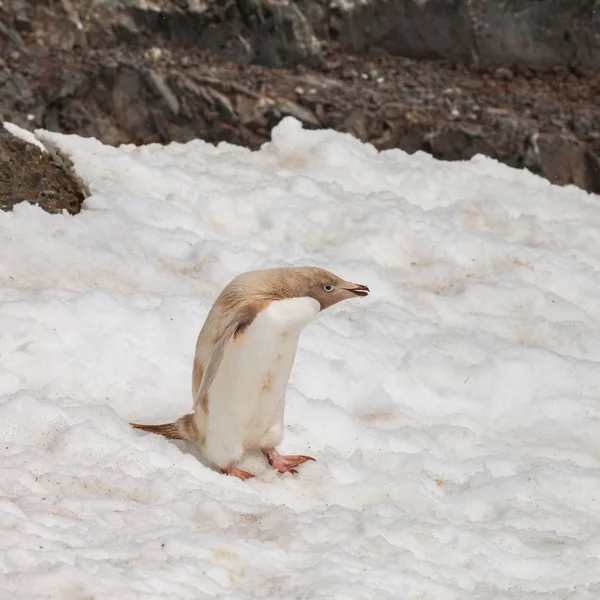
x: 169, y: 430
x: 182, y: 429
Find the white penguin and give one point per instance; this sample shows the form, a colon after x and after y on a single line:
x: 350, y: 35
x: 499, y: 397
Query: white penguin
x: 244, y: 357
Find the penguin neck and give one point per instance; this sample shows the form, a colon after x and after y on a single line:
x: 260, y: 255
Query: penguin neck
x: 291, y: 314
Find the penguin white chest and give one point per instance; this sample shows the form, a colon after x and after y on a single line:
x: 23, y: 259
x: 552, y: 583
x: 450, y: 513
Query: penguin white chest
x: 248, y: 392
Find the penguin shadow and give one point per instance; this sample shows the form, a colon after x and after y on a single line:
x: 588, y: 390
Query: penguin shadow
x: 253, y: 461
x: 191, y: 449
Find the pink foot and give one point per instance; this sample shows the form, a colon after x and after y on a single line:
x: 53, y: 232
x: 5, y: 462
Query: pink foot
x: 243, y: 475
x: 284, y: 464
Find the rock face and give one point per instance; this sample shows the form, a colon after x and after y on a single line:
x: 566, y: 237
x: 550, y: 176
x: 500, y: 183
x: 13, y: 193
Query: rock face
x: 509, y: 33
x: 563, y: 159
x: 269, y: 32
x: 538, y: 34
x: 28, y: 174
x: 134, y: 71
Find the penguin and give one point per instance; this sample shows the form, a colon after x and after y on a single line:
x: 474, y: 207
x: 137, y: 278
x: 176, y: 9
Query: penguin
x: 243, y: 360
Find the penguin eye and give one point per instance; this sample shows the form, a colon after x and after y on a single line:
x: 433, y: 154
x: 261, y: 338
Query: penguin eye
x: 328, y: 287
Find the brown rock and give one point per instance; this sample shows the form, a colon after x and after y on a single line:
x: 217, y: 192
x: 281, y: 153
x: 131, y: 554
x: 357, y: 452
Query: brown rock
x: 28, y: 174
x: 133, y: 72
x: 356, y: 123
x: 564, y: 160
x: 458, y: 144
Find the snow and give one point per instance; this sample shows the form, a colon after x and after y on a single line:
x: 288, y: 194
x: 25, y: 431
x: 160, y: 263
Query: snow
x: 454, y: 413
x: 23, y: 134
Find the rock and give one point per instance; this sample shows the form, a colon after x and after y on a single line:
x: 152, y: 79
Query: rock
x: 220, y: 103
x: 505, y: 33
x: 280, y: 34
x: 159, y: 85
x: 504, y: 73
x: 292, y: 109
x: 564, y: 160
x: 458, y: 144
x: 539, y: 34
x: 356, y: 123
x: 411, y: 140
x: 133, y: 71
x: 29, y: 174
x: 268, y: 32
x: 415, y: 29
x: 129, y: 101
x: 10, y: 39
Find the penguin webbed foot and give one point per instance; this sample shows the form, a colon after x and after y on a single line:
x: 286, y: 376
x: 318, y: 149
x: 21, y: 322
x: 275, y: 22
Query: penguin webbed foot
x: 243, y: 475
x: 285, y: 464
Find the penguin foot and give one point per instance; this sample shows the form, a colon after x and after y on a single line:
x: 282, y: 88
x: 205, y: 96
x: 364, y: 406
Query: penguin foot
x: 243, y: 475
x: 285, y: 464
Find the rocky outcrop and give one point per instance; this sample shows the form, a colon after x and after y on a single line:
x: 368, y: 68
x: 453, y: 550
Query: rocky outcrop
x: 509, y: 33
x: 268, y: 32
x: 563, y: 159
x: 134, y: 71
x: 29, y: 174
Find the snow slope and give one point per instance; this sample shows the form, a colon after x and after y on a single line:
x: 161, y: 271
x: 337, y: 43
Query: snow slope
x: 454, y: 414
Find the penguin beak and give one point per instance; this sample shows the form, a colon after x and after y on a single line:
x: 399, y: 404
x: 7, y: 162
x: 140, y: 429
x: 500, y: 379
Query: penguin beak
x: 359, y: 290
